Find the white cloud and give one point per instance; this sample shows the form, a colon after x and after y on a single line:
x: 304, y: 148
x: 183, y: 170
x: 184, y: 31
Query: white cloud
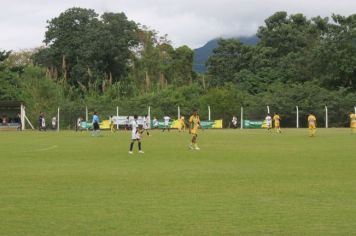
x: 190, y: 22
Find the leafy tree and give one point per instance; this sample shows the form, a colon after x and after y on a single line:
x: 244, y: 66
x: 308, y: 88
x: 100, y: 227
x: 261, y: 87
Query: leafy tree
x: 335, y: 56
x: 84, y: 48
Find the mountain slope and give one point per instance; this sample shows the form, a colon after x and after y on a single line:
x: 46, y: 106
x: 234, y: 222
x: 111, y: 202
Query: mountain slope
x: 201, y: 55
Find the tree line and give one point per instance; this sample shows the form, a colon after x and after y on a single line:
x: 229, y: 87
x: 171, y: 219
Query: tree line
x: 104, y: 61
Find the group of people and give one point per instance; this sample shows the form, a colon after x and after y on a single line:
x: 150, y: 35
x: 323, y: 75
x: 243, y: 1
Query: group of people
x: 194, y: 124
x: 42, y: 122
x: 312, y: 124
x: 128, y: 125
x: 166, y: 123
x: 269, y: 122
x: 137, y: 130
x: 277, y: 122
x: 5, y: 120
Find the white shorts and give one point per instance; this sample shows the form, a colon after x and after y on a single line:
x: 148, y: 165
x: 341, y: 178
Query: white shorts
x: 269, y: 124
x: 135, y: 136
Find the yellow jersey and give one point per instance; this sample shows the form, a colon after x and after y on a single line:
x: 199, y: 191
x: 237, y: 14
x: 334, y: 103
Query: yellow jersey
x: 276, y: 119
x: 194, y: 122
x: 182, y: 121
x: 312, y: 121
x: 353, y: 120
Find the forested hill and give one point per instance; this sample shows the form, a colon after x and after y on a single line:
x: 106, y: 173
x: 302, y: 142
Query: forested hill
x: 202, y: 54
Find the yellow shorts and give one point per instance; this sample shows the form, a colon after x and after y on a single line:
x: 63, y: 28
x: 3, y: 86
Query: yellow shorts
x: 312, y: 126
x: 194, y: 132
x: 353, y: 124
x: 277, y: 125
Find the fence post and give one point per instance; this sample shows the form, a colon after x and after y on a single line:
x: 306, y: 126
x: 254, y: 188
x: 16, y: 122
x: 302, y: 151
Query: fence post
x: 268, y: 110
x: 297, y: 116
x: 326, y: 117
x: 242, y: 118
x: 58, y: 120
x: 149, y: 116
x: 209, y: 112
x: 178, y: 112
x: 86, y: 114
x: 117, y: 119
x: 22, y: 117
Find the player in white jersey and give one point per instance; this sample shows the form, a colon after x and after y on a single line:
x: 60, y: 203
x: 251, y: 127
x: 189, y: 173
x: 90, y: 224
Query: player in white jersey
x: 155, y: 123
x: 269, y: 122
x: 146, y: 126
x: 234, y: 122
x: 166, y: 123
x: 54, y: 122
x: 78, y: 127
x: 43, y: 123
x: 135, y: 135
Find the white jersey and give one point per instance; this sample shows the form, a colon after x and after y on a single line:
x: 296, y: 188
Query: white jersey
x: 166, y: 120
x: 155, y: 123
x: 145, y: 122
x: 43, y: 122
x: 54, y: 121
x: 234, y: 120
x: 268, y: 120
x: 134, y: 133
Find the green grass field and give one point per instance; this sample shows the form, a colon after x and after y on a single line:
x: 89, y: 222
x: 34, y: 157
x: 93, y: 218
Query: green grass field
x: 246, y: 182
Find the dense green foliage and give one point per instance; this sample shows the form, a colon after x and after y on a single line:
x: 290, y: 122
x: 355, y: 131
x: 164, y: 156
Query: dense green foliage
x: 248, y: 182
x: 291, y: 50
x: 298, y: 61
x: 107, y: 61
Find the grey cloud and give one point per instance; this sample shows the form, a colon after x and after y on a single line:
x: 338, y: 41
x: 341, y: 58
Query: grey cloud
x: 189, y: 22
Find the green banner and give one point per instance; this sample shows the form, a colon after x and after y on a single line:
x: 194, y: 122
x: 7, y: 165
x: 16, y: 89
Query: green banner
x: 253, y: 124
x: 207, y: 124
x: 86, y: 125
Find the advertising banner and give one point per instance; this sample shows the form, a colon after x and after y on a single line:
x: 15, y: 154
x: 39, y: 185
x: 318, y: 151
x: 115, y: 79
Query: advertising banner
x: 116, y: 120
x: 254, y: 124
x: 123, y: 121
x: 212, y: 124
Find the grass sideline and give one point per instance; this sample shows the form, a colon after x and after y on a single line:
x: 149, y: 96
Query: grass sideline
x: 241, y: 182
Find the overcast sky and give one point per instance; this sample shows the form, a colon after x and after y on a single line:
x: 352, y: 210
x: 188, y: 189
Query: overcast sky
x: 187, y: 22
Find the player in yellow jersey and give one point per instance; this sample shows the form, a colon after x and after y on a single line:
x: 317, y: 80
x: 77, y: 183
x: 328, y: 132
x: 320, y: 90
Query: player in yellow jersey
x: 181, y: 124
x: 111, y: 124
x: 353, y: 122
x: 277, y: 122
x: 194, y: 123
x: 312, y: 125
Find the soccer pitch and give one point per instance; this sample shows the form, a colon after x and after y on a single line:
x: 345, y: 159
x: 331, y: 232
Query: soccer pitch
x: 241, y: 182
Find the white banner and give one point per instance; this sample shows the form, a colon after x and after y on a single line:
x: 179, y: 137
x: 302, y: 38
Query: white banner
x: 127, y: 120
